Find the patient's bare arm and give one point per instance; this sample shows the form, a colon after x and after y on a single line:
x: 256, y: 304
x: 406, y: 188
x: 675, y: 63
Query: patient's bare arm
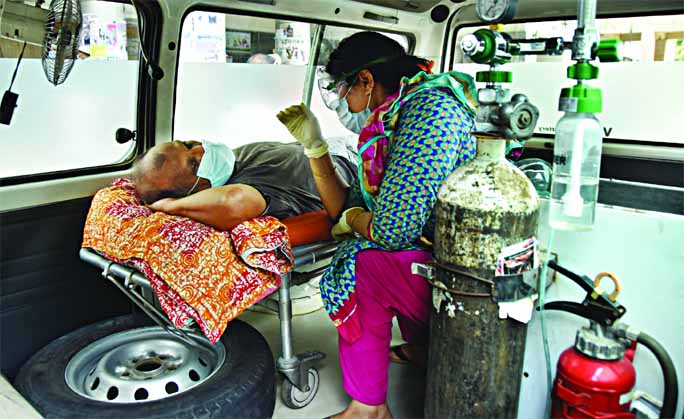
x: 223, y: 207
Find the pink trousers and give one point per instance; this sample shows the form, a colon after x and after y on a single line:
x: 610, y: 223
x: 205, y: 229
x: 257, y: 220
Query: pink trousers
x: 385, y: 288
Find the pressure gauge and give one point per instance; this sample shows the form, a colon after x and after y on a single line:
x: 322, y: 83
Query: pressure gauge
x: 494, y: 11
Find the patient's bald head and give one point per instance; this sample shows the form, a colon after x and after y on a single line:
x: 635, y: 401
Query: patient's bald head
x: 169, y: 170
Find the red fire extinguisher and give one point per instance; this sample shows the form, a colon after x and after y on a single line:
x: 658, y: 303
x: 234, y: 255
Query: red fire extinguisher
x: 595, y: 377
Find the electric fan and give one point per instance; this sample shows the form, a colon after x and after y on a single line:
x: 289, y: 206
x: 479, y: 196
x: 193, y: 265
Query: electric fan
x: 60, y: 44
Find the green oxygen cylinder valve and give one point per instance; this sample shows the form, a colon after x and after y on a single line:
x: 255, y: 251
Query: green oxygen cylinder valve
x: 609, y: 51
x: 486, y: 46
x: 583, y: 71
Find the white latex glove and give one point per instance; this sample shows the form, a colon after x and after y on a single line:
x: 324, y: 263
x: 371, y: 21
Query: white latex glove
x: 343, y: 229
x: 304, y: 127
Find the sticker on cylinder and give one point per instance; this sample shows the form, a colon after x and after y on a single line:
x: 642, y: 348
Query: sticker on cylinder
x: 514, y: 260
x: 518, y: 258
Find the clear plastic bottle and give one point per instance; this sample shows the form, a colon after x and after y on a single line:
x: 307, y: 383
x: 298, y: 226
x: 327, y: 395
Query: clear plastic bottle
x: 576, y: 166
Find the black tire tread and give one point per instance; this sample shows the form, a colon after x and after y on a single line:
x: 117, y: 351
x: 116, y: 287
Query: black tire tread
x: 243, y: 388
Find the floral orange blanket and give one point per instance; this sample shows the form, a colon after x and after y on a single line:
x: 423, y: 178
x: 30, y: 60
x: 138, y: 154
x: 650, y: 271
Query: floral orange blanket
x: 197, y: 272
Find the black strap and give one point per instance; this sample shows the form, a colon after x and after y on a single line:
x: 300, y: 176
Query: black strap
x: 14, y: 76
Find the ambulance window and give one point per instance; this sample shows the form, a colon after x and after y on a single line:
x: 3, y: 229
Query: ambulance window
x: 236, y: 72
x: 653, y: 62
x: 72, y: 125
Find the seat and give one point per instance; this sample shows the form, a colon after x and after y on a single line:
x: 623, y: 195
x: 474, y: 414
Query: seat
x: 312, y: 246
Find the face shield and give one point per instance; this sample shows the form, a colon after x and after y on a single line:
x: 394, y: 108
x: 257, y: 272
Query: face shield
x: 333, y: 89
x: 330, y: 89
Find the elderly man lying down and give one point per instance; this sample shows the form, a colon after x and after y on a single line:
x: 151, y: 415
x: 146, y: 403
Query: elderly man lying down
x: 220, y: 187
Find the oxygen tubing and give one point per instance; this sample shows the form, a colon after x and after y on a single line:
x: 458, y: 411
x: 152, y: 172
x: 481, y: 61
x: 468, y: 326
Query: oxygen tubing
x: 545, y: 338
x: 669, y: 374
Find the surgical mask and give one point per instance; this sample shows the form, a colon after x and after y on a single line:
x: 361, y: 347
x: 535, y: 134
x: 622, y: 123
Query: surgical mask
x: 354, y: 122
x: 217, y: 163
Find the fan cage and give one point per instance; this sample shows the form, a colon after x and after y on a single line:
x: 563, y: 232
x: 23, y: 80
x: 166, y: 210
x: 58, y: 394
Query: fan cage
x: 61, y: 41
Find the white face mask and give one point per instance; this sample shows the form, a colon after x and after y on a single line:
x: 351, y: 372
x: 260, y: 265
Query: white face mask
x: 354, y: 122
x: 217, y: 163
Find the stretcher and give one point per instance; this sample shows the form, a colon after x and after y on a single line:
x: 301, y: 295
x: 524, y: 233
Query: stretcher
x: 312, y: 247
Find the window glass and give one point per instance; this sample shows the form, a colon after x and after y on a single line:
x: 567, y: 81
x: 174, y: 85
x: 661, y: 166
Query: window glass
x: 639, y: 93
x: 237, y: 72
x: 71, y: 125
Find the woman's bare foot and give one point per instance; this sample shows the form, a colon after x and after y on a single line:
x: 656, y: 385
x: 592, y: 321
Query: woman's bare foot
x: 358, y: 410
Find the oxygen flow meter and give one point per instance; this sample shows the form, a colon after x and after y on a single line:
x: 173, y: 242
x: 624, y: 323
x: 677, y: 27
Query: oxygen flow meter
x: 495, y: 11
x: 499, y: 114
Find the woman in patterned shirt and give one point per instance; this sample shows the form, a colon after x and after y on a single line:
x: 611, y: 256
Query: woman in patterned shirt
x: 414, y: 130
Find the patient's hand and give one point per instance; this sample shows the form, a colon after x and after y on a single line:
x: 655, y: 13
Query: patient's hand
x: 163, y: 205
x: 222, y: 207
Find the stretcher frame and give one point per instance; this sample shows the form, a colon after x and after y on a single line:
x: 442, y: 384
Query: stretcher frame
x: 293, y: 366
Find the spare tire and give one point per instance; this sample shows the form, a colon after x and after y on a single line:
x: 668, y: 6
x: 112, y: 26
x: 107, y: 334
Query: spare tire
x: 242, y: 385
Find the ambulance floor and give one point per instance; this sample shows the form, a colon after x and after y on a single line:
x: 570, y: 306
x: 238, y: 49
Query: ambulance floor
x: 315, y: 331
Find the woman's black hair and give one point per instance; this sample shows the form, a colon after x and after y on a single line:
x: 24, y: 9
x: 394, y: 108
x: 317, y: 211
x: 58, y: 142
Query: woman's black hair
x: 384, y: 57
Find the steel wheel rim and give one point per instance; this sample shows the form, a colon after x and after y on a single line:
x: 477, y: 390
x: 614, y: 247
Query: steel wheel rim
x: 142, y: 365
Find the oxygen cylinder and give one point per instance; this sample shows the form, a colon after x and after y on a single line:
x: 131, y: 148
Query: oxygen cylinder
x: 476, y: 359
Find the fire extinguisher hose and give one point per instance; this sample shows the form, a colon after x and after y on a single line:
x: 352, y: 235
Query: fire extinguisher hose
x: 669, y: 374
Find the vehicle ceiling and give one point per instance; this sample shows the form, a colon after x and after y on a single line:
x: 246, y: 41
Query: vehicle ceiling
x: 417, y: 6
x: 529, y: 9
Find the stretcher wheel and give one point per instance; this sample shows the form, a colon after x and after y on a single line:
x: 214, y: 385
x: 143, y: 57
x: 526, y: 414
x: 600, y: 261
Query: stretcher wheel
x: 293, y: 397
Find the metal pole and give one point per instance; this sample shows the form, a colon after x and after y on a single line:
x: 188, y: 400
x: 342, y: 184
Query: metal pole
x: 2, y: 12
x: 285, y: 315
x: 311, y: 66
x: 586, y: 34
x: 20, y: 41
x: 586, y: 13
